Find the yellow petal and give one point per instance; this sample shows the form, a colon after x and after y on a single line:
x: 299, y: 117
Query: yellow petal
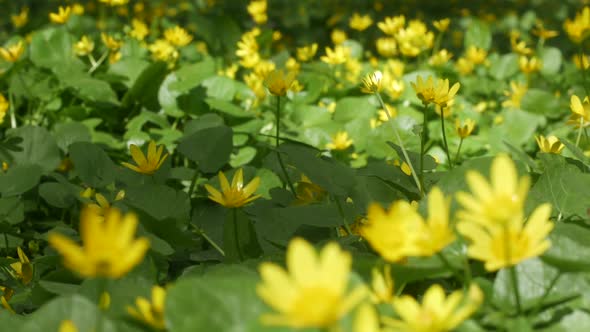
x: 137, y: 155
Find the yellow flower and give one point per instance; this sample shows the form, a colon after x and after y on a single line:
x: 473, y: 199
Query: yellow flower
x: 476, y: 55
x: 581, y: 61
x: 551, y: 144
x: 498, y: 202
x: 391, y: 25
x: 515, y: 95
x: 114, y: 57
x: 78, y: 9
x: 543, y: 33
x: 338, y: 36
x: 506, y: 245
x: 235, y: 195
x: 114, y: 2
x: 414, y: 39
x: 382, y: 285
x: 372, y: 82
x: 110, y: 42
x: 139, y: 30
x: 392, y: 233
x: 150, y: 313
x: 340, y: 142
x: 366, y: 319
x: 443, y: 56
x: 312, y: 292
x: 578, y: 28
x: 257, y: 10
x: 336, y: 56
x: 435, y: 234
x: 67, y: 326
x: 465, y: 128
x: 437, y: 312
x: 248, y: 49
x: 23, y: 269
x: 84, y: 46
x: 109, y: 248
x: 360, y: 23
x: 529, y: 65
x: 13, y: 52
x: 464, y: 66
x: 519, y: 47
x: 308, y: 192
x: 386, y: 47
x: 62, y: 16
x: 162, y: 50
x: 4, y: 106
x: 21, y: 19
x: 306, y: 53
x: 438, y: 93
x: 146, y: 164
x: 6, y: 296
x: 580, y: 116
x: 442, y: 25
x: 177, y: 36
x: 278, y: 83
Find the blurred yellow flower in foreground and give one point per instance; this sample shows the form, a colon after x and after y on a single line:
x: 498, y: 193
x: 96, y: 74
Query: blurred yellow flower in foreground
x: 62, y: 16
x: 366, y: 319
x: 146, y: 164
x: 340, y: 141
x: 84, y: 46
x: 278, y: 82
x: 108, y: 249
x: 150, y: 313
x: 67, y: 326
x: 235, y: 195
x: 312, y: 292
x: 437, y: 93
x: 442, y: 25
x: 382, y: 285
x: 578, y: 29
x: 437, y: 312
x: 177, y: 36
x: 550, y: 144
x: 13, y: 52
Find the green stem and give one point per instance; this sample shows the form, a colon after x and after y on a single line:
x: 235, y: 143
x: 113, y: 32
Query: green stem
x: 6, y: 243
x: 12, y: 111
x: 193, y: 184
x: 236, y: 237
x: 423, y: 143
x: 444, y: 134
x: 401, y: 144
x: 546, y: 293
x: 99, y: 316
x: 277, y: 142
x: 341, y: 212
x: 513, y: 274
x: 459, y: 149
x: 211, y: 242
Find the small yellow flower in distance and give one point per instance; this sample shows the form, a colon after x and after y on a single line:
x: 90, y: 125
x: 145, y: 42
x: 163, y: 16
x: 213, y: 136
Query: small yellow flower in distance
x: 366, y: 319
x: 580, y: 116
x: 308, y: 192
x: 382, y: 285
x: 496, y: 203
x: 110, y: 42
x: 442, y: 25
x: 306, y: 53
x: 104, y: 301
x: 235, y: 195
x: 543, y: 33
x: 336, y: 56
x: 386, y: 47
x: 372, y: 82
x: 438, y: 93
x: 500, y: 246
x: 312, y: 292
x: 23, y: 269
x: 21, y: 19
x: 515, y: 95
x: 257, y: 10
x: 437, y: 312
x: 391, y: 25
x: 392, y: 233
x: 62, y: 16
x: 84, y: 46
x: 177, y: 36
x: 338, y: 36
x: 464, y: 66
x: 108, y: 249
x: 340, y: 141
x: 578, y: 28
x: 78, y: 9
x: 464, y: 128
x: 67, y: 326
x: 114, y: 3
x: 581, y: 61
x: 162, y: 50
x: 13, y: 52
x: 4, y: 106
x: 476, y: 55
x: 139, y: 30
x: 440, y: 58
x: 6, y: 296
x: 146, y: 164
x: 436, y: 232
x: 360, y: 23
x: 551, y: 144
x: 150, y: 313
x: 529, y: 65
x: 278, y: 82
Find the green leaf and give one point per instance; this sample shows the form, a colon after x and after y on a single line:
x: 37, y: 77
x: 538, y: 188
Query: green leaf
x: 220, y: 87
x: 478, y: 34
x: 39, y: 148
x: 541, y: 102
x: 210, y: 148
x: 145, y: 89
x: 57, y: 194
x: 208, y: 120
x: 19, y: 179
x: 52, y: 48
x: 569, y: 248
x: 71, y: 132
x: 192, y: 75
x: 243, y: 157
x: 92, y: 164
x: 228, y: 108
x: 239, y: 237
x: 551, y: 58
x: 131, y: 68
x: 577, y: 320
x: 12, y: 209
x: 159, y: 201
x: 504, y: 67
x: 349, y: 108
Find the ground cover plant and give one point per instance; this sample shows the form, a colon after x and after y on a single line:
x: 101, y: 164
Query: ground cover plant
x: 275, y: 165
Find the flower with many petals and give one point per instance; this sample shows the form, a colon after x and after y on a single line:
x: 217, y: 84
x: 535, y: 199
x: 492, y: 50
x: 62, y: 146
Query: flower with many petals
x: 235, y: 195
x: 150, y: 313
x: 437, y: 93
x: 580, y: 116
x: 360, y: 23
x: 146, y: 164
x: 13, y: 52
x: 278, y: 83
x: 62, y: 16
x: 464, y: 128
x: 177, y: 36
x: 549, y: 144
x: 340, y: 141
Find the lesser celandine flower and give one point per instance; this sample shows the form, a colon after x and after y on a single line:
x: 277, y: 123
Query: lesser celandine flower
x: 440, y: 58
x: 114, y: 3
x: 306, y: 53
x: 21, y: 19
x: 360, y: 23
x: 139, y: 30
x: 497, y: 202
x: 581, y: 61
x: 578, y: 28
x: 7, y: 293
x: 67, y: 326
x: 248, y: 49
x: 162, y: 50
x: 235, y: 195
x: 391, y: 25
x: 366, y: 319
x: 437, y: 93
x: 382, y: 285
x: 13, y: 52
x: 386, y: 47
x: 111, y: 42
x: 580, y: 116
x: 529, y: 65
x: 437, y: 312
x: 372, y: 82
x: 4, y: 106
x: 23, y: 269
x: 435, y: 233
x: 336, y: 56
x: 442, y: 25
x: 108, y: 249
x: 464, y: 128
x: 177, y: 36
x: 146, y: 164
x: 549, y: 144
x: 84, y: 46
x: 62, y: 16
x: 476, y: 55
x: 150, y: 313
x: 340, y: 141
x: 515, y: 94
x: 338, y: 36
x: 543, y: 33
x: 257, y: 10
x: 278, y: 82
x: 312, y: 291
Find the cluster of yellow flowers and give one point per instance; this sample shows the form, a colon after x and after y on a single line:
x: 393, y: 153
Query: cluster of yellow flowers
x: 410, y: 40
